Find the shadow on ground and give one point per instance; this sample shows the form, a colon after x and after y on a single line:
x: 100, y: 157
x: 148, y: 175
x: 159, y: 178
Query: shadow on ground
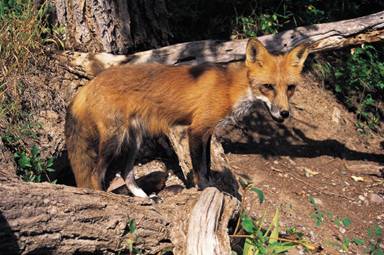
x: 259, y: 134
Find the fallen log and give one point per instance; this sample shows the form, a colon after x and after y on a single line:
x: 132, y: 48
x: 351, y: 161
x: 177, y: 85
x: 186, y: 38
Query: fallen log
x: 42, y: 218
x: 319, y: 37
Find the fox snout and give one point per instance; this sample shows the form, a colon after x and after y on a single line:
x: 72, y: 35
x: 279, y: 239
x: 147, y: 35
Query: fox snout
x: 279, y: 114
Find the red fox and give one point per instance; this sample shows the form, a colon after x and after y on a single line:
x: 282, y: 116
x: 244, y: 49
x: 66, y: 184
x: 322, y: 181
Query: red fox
x: 111, y: 115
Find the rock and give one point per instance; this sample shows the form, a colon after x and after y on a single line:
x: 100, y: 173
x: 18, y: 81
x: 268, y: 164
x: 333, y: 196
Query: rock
x: 365, y: 168
x: 357, y: 178
x: 375, y: 198
x: 309, y: 173
x: 318, y: 201
x: 336, y: 115
x: 296, y: 251
x: 362, y: 198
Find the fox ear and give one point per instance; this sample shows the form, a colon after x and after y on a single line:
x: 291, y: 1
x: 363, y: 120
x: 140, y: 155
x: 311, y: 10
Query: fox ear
x: 298, y: 55
x: 255, y: 52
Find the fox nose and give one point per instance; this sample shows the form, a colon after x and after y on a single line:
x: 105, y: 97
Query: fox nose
x: 284, y: 114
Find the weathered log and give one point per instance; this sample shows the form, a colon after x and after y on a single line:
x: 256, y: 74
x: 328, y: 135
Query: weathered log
x: 178, y: 138
x: 54, y: 219
x: 211, y: 237
x: 319, y: 37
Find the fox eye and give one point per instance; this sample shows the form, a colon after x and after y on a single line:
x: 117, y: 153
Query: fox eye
x: 291, y: 87
x: 268, y: 87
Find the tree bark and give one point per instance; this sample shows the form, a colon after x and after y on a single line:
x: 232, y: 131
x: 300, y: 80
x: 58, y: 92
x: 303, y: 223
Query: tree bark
x: 319, y: 37
x: 42, y: 218
x: 113, y: 26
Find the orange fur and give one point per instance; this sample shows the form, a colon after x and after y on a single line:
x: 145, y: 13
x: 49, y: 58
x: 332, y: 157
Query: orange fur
x: 122, y: 103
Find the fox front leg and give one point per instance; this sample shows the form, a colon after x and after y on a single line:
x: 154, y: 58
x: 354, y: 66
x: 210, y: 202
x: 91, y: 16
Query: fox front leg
x: 199, y: 147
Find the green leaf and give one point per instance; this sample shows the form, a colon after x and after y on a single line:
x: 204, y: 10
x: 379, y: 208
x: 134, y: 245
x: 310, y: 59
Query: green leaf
x: 132, y: 226
x: 346, y: 222
x: 243, y: 182
x: 378, y: 251
x: 247, y: 224
x: 277, y: 248
x: 338, y: 88
x: 346, y: 243
x: 35, y: 151
x: 378, y: 231
x: 249, y: 247
x: 318, y: 217
x: 358, y: 241
x: 50, y: 170
x: 276, y: 227
x: 24, y: 161
x: 312, y: 200
x: 49, y: 162
x: 38, y: 167
x: 259, y: 193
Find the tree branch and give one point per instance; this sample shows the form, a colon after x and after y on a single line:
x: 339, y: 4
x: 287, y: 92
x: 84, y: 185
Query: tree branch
x: 319, y: 37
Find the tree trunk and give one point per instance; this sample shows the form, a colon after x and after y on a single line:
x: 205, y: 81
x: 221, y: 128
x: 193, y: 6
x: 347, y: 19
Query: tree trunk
x: 113, y: 26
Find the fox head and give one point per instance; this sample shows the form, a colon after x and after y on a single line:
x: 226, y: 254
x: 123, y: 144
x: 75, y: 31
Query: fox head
x: 273, y: 78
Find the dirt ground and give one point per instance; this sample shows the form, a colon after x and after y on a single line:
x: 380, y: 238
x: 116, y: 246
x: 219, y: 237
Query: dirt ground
x: 317, y: 153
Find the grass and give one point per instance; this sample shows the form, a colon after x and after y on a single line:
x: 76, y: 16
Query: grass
x: 21, y: 29
x: 25, y: 34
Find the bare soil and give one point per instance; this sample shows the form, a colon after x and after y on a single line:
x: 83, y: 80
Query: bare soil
x: 317, y: 153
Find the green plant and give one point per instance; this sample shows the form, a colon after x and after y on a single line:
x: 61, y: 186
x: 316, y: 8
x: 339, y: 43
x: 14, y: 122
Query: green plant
x: 375, y: 235
x: 132, y: 238
x: 268, y: 241
x: 31, y: 167
x: 264, y: 242
x: 255, y: 25
x: 259, y: 240
x: 24, y: 32
x: 317, y: 215
x: 359, y: 83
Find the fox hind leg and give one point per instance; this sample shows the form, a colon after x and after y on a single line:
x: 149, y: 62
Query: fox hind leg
x: 132, y: 185
x: 129, y: 174
x: 106, y: 153
x: 134, y: 141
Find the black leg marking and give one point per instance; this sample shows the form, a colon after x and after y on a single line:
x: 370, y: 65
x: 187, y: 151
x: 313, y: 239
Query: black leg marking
x: 199, y: 146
